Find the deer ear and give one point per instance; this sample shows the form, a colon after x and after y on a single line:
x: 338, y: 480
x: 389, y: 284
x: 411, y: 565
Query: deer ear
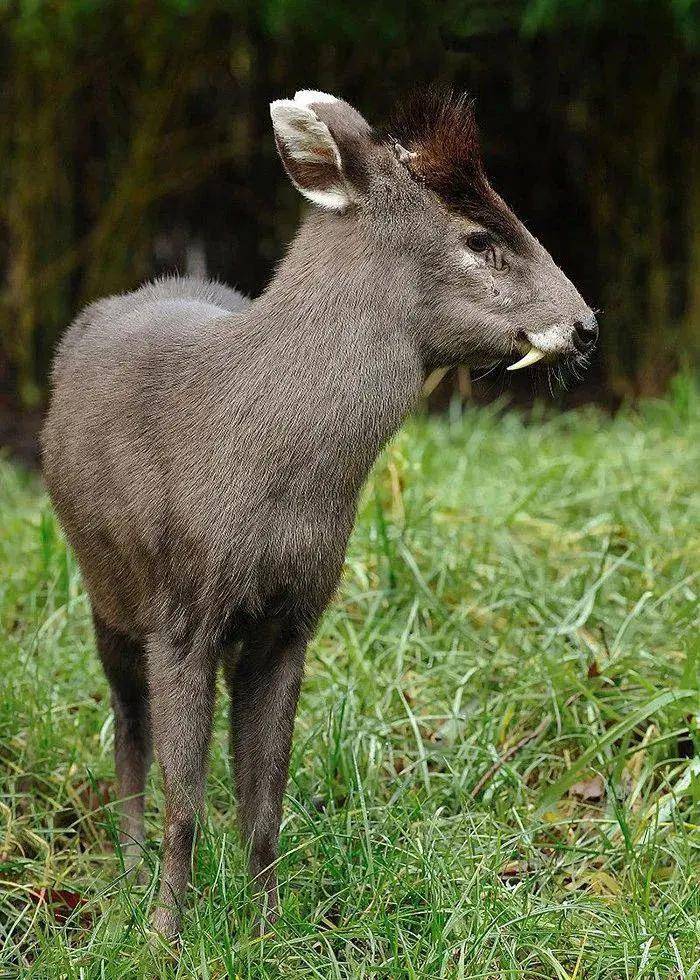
x: 309, y: 153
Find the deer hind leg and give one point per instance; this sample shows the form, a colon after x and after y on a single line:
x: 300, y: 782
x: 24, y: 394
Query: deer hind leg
x: 264, y: 685
x: 182, y: 682
x: 124, y: 663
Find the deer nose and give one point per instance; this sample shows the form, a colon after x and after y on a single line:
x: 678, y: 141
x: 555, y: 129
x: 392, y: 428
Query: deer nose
x: 585, y: 333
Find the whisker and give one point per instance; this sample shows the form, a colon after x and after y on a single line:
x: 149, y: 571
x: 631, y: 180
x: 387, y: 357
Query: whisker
x: 487, y: 372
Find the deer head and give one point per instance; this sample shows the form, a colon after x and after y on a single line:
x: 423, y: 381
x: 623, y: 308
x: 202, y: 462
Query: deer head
x: 481, y: 287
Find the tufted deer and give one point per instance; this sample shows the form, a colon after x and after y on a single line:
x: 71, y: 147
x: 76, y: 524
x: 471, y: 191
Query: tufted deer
x: 205, y: 453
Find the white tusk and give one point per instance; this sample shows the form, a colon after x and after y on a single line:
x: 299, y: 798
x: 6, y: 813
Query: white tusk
x: 532, y: 357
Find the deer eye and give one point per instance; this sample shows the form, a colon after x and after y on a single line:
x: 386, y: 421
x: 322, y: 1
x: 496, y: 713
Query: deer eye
x: 485, y: 244
x: 479, y: 241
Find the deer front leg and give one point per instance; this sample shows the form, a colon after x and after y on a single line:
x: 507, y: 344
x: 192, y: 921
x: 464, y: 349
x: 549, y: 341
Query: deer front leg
x: 182, y: 685
x: 264, y: 688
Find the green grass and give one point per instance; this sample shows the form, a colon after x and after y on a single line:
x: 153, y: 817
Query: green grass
x: 505, y: 578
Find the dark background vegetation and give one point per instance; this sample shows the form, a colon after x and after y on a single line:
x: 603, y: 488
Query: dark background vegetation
x: 135, y: 139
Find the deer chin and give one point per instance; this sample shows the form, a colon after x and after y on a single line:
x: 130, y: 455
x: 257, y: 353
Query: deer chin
x: 531, y: 357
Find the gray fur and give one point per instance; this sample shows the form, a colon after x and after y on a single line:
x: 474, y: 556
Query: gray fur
x: 205, y: 456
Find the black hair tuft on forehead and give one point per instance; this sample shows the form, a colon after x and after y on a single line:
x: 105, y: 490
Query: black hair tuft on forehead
x: 440, y: 124
x: 440, y: 128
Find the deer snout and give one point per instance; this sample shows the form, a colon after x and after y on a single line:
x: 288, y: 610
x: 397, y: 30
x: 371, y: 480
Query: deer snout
x: 562, y: 339
x: 585, y: 333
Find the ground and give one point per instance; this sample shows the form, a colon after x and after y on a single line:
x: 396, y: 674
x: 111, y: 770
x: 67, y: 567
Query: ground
x: 496, y: 752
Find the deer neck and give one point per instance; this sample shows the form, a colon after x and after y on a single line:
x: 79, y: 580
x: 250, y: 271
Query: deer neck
x: 340, y: 318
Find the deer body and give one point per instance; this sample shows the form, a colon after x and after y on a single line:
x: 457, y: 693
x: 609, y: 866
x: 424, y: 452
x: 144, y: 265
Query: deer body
x: 211, y: 518
x: 205, y: 455
x: 240, y: 441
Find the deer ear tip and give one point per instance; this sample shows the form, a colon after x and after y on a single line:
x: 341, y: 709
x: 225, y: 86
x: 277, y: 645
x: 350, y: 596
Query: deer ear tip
x: 310, y: 96
x: 300, y: 105
x: 289, y: 117
x: 280, y: 107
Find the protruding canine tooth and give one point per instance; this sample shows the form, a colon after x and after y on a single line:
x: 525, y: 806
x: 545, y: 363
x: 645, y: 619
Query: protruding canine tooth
x: 532, y: 357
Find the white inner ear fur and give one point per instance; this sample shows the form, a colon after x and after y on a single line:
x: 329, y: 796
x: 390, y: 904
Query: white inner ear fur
x: 307, y: 139
x: 309, y: 96
x: 332, y: 200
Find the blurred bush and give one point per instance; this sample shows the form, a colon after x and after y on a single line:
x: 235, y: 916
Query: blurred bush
x: 134, y: 138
